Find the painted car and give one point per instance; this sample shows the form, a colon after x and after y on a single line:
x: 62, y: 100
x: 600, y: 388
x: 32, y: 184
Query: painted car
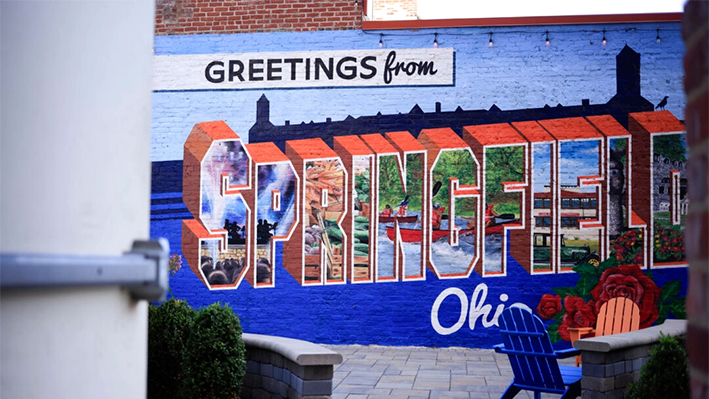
x: 570, y: 254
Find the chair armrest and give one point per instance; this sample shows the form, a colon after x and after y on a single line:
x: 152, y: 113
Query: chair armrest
x: 564, y: 353
x: 580, y: 332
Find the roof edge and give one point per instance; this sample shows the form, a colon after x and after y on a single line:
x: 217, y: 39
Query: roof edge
x: 518, y: 21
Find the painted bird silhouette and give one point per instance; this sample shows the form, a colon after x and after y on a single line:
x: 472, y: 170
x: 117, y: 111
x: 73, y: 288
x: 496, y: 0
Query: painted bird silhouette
x: 662, y: 103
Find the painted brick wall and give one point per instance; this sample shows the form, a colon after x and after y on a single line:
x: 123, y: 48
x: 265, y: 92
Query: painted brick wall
x: 696, y: 36
x: 574, y: 67
x: 518, y: 73
x: 394, y: 10
x: 181, y: 17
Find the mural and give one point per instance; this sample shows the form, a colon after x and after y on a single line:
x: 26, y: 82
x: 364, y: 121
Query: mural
x: 403, y: 229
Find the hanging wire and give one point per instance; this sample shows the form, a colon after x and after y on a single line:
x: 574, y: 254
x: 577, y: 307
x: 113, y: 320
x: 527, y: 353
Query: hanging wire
x: 604, y: 40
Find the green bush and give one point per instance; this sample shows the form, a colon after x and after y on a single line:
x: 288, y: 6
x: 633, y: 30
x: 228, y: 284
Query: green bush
x: 666, y: 374
x: 168, y: 330
x: 215, y: 355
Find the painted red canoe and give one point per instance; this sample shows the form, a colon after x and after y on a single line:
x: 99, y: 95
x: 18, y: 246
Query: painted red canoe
x: 414, y: 235
x: 401, y: 219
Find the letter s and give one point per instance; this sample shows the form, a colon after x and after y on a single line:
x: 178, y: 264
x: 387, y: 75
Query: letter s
x: 367, y: 66
x: 215, y: 175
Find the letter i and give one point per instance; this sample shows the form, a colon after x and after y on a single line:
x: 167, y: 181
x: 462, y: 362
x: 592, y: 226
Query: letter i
x: 500, y: 308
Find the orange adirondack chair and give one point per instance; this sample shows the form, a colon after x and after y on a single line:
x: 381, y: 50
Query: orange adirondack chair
x: 616, y: 316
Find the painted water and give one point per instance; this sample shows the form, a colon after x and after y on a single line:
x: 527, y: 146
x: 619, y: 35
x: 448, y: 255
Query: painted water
x: 449, y: 260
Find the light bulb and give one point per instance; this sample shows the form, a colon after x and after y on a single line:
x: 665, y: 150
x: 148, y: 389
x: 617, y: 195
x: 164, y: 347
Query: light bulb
x: 381, y: 42
x: 435, y: 40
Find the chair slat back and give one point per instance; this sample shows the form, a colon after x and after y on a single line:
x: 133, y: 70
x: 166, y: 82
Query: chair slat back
x: 618, y: 315
x: 523, y: 332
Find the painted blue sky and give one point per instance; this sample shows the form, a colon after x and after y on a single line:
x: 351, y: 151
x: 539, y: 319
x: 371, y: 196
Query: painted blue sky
x: 541, y: 167
x: 518, y: 72
x: 578, y: 158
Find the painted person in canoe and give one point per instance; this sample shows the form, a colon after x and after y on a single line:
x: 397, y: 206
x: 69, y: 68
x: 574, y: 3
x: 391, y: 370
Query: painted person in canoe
x: 401, y: 212
x: 386, y: 216
x: 437, y: 215
x: 494, y: 224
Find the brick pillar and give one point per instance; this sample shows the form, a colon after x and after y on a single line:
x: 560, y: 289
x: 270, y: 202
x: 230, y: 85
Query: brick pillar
x: 695, y: 29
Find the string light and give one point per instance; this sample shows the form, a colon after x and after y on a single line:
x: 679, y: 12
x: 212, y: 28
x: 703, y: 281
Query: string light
x: 546, y: 33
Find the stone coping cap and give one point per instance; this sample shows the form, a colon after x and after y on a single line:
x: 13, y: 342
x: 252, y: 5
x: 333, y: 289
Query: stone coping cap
x: 301, y: 352
x: 645, y: 336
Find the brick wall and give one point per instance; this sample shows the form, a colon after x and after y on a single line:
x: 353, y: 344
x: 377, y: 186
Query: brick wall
x: 180, y: 17
x: 394, y: 10
x: 696, y: 36
x: 505, y: 77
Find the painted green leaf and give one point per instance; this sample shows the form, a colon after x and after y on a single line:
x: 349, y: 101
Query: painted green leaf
x: 586, y: 269
x: 678, y: 308
x: 664, y: 311
x: 585, y: 285
x: 566, y: 291
x: 553, y: 330
x: 607, y: 264
x: 669, y: 291
x: 559, y: 315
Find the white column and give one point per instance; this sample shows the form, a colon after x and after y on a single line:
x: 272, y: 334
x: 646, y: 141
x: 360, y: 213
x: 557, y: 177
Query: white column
x: 75, y: 93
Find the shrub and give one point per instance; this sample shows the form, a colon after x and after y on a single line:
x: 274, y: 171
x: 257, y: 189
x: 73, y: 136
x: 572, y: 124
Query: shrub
x: 215, y: 355
x: 666, y: 374
x: 168, y: 330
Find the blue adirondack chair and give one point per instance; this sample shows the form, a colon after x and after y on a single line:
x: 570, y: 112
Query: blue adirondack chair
x: 533, y: 360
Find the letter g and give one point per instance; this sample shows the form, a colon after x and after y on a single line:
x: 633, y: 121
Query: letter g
x: 216, y: 76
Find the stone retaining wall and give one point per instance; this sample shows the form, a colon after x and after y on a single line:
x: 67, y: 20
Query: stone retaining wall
x: 278, y: 367
x: 612, y: 362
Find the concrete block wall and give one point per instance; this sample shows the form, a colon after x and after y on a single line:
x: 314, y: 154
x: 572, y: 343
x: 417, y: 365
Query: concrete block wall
x: 695, y: 30
x: 278, y: 367
x: 612, y: 362
x: 186, y: 17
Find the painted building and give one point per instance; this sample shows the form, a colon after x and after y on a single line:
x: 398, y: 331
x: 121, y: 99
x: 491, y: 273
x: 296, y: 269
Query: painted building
x: 369, y: 187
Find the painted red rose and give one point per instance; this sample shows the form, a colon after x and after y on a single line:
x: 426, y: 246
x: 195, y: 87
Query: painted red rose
x: 549, y: 306
x: 578, y: 314
x: 628, y: 281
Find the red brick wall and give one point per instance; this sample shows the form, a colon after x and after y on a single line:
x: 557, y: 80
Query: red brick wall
x: 180, y: 17
x: 695, y: 27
